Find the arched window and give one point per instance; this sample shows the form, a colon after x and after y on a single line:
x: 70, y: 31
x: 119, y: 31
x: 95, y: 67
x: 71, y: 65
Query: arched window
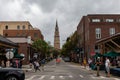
x: 6, y: 27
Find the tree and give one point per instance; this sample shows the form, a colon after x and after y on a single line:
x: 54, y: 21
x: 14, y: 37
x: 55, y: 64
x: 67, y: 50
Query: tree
x: 41, y: 47
x: 71, y: 44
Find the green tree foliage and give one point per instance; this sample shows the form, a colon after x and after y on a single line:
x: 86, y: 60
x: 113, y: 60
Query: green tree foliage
x: 41, y: 47
x: 71, y: 44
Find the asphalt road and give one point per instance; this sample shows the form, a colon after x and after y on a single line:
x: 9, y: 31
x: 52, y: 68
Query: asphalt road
x: 64, y: 71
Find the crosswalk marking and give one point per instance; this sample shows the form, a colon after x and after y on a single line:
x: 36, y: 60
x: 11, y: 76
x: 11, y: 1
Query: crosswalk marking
x: 42, y: 77
x: 102, y: 77
x: 31, y: 77
x: 70, y: 76
x: 52, y: 77
x: 81, y: 76
x: 61, y: 77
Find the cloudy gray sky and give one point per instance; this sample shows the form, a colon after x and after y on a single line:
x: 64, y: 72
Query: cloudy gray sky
x: 43, y: 13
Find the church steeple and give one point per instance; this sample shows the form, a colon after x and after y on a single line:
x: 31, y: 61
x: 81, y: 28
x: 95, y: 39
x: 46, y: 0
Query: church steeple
x: 56, y: 37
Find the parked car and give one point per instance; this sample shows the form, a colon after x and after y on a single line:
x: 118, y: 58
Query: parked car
x: 115, y: 71
x: 11, y: 74
x: 66, y: 59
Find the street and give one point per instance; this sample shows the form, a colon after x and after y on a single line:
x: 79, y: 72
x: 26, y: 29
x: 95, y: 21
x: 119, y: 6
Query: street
x: 65, y: 71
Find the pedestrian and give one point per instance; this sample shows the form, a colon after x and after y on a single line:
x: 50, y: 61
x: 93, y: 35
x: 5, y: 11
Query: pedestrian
x: 37, y: 66
x: 118, y: 63
x: 30, y: 63
x: 107, y: 66
x: 58, y: 61
x: 98, y: 62
x: 89, y: 62
x: 84, y: 62
x: 42, y: 64
x: 2, y: 63
x: 17, y: 63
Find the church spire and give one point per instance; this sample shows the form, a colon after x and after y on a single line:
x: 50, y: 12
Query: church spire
x: 56, y: 37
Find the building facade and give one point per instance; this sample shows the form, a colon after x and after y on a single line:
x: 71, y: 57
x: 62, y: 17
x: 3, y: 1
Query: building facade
x: 94, y: 27
x: 22, y: 33
x: 56, y: 37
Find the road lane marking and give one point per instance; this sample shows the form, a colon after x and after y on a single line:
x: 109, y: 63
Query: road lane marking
x: 102, y: 77
x: 31, y: 77
x: 61, y: 77
x: 52, y: 77
x: 70, y: 76
x: 81, y: 76
x: 42, y: 77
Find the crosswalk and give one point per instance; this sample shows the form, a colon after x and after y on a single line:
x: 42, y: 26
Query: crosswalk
x: 52, y: 77
x: 61, y: 77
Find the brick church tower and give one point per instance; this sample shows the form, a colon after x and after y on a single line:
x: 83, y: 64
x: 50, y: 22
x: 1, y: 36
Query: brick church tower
x: 56, y: 37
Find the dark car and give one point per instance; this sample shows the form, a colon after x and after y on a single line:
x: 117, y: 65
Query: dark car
x: 66, y: 59
x: 11, y: 74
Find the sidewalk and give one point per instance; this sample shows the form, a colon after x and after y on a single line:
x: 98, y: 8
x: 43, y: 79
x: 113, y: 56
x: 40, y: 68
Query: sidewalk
x: 101, y: 72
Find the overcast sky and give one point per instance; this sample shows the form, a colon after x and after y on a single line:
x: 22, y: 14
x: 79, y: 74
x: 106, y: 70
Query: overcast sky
x: 43, y: 13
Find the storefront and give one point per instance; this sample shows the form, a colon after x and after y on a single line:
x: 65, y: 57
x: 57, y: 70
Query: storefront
x: 4, y: 45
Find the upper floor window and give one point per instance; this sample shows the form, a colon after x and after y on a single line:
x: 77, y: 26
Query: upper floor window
x: 109, y: 20
x: 112, y: 31
x: 23, y: 27
x: 98, y: 33
x: 18, y: 27
x: 118, y: 20
x: 95, y: 20
x: 6, y: 27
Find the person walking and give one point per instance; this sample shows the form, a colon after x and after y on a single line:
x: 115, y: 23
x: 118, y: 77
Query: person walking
x: 37, y: 66
x: 107, y: 66
x: 42, y: 64
x: 89, y: 62
x: 84, y: 62
x: 98, y: 62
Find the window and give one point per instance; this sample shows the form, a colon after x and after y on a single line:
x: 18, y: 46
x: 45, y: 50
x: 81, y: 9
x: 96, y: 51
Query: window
x: 95, y: 20
x: 23, y: 27
x: 18, y: 27
x: 118, y: 20
x: 6, y: 27
x: 97, y: 49
x: 98, y: 33
x: 109, y: 20
x: 29, y: 26
x: 112, y: 31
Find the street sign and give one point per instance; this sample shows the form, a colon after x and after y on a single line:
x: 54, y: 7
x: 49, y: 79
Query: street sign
x: 9, y: 55
x: 23, y: 55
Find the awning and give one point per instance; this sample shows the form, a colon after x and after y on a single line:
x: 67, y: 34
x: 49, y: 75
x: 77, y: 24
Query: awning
x: 111, y: 54
x: 97, y: 55
x: 18, y: 56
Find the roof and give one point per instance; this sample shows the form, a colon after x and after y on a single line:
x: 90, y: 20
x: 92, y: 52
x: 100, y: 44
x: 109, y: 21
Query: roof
x: 107, y: 38
x: 7, y: 41
x: 103, y: 15
x: 111, y: 43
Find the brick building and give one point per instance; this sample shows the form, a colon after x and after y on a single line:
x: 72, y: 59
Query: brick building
x: 22, y: 33
x: 94, y: 27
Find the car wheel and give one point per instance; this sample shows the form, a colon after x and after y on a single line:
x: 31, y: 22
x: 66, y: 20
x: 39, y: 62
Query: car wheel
x: 11, y: 78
